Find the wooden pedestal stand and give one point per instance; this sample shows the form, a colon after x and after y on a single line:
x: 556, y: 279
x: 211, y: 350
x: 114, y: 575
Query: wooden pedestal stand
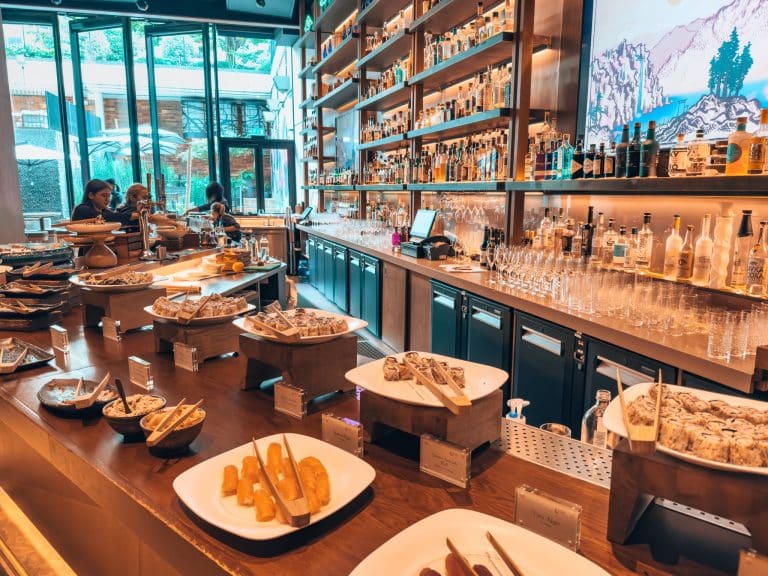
x: 479, y: 425
x: 127, y: 307
x: 637, y: 478
x: 318, y: 369
x: 210, y: 340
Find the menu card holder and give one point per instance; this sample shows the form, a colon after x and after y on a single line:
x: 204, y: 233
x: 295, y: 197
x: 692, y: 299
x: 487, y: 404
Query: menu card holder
x: 59, y: 338
x: 140, y: 373
x: 185, y: 356
x: 547, y: 515
x: 110, y: 329
x: 343, y: 433
x: 290, y: 400
x: 445, y: 460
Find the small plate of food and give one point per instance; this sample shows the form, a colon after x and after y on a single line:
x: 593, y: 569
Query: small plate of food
x: 421, y: 549
x: 126, y: 282
x: 58, y: 396
x: 226, y: 490
x: 705, y: 428
x: 214, y: 309
x: 315, y: 326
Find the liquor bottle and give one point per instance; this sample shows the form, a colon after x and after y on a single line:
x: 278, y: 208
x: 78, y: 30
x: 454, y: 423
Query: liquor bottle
x: 621, y: 153
x: 597, y: 240
x: 633, y: 153
x: 644, y: 244
x: 649, y: 152
x: 587, y: 232
x: 702, y: 257
x: 576, y: 238
x: 593, y: 430
x: 757, y: 146
x: 609, y: 239
x: 698, y: 153
x: 741, y: 251
x: 678, y: 157
x: 630, y: 261
x: 564, y: 158
x: 756, y: 265
x: 598, y: 168
x: 577, y: 166
x: 620, y: 247
x: 685, y: 257
x: 589, y: 161
x: 490, y: 253
x: 737, y: 157
x: 508, y: 18
x: 610, y: 162
x: 672, y: 250
x: 545, y: 230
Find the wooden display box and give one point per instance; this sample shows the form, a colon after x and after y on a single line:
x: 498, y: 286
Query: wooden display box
x: 478, y: 426
x: 318, y: 369
x: 127, y: 307
x: 127, y: 245
x: 210, y: 340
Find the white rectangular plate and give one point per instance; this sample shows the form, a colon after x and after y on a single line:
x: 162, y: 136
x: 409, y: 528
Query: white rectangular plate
x: 481, y: 381
x: 200, y: 486
x: 614, y: 421
x: 353, y: 325
x: 114, y: 287
x: 202, y: 320
x: 423, y: 545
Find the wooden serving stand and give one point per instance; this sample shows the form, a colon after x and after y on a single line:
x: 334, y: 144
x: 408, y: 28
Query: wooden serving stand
x: 636, y: 479
x: 472, y: 428
x: 210, y: 340
x: 318, y: 369
x: 127, y: 307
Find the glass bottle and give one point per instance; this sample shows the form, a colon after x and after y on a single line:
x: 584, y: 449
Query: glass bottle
x: 757, y: 146
x: 698, y: 152
x: 672, y: 250
x: 610, y: 162
x: 597, y: 240
x: 633, y: 153
x: 644, y: 244
x: 741, y: 251
x: 545, y: 230
x: 737, y: 157
x: 589, y: 161
x: 598, y: 167
x: 509, y: 16
x: 649, y: 152
x: 685, y: 258
x: 630, y: 261
x: 702, y: 255
x: 564, y: 158
x: 678, y: 157
x: 586, y: 237
x: 609, y: 239
x: 621, y: 153
x: 593, y: 430
x: 620, y: 247
x: 577, y: 163
x: 756, y: 264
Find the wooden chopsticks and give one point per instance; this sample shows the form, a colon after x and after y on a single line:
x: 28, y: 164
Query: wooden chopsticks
x: 466, y: 567
x: 456, y: 404
x: 159, y: 434
x: 506, y: 558
x: 187, y: 316
x: 83, y: 401
x: 285, y: 336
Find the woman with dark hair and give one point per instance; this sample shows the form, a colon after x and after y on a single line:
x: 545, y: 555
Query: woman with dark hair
x: 214, y: 193
x: 95, y: 203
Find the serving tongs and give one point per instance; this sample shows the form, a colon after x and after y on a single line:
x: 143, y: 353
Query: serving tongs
x: 8, y: 367
x: 464, y: 564
x: 293, y: 330
x: 83, y: 401
x: 505, y: 557
x: 172, y: 421
x: 284, y: 336
x: 111, y: 273
x: 642, y: 437
x: 36, y: 268
x: 296, y: 512
x: 456, y: 404
x: 186, y: 316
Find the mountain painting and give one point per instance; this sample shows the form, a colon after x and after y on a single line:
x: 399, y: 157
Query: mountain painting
x: 687, y: 64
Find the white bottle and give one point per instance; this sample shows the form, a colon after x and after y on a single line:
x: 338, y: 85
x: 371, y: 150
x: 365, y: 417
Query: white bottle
x: 672, y: 250
x: 702, y: 259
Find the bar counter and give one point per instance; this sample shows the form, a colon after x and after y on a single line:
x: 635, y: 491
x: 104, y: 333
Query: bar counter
x: 128, y: 514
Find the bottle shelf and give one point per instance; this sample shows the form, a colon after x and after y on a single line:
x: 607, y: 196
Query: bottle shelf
x: 326, y: 159
x: 396, y: 47
x: 388, y: 99
x: 380, y: 11
x: 340, y: 58
x: 683, y: 186
x: 493, y: 51
x: 448, y: 14
x: 464, y: 126
x: 307, y: 72
x: 308, y: 103
x: 389, y: 143
x: 308, y: 40
x: 334, y: 15
x: 327, y: 130
x: 340, y: 96
x: 332, y: 187
x: 484, y: 186
x: 381, y: 187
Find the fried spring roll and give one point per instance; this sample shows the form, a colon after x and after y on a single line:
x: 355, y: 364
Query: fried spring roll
x: 250, y: 469
x: 245, y: 492
x: 229, y: 483
x: 265, y: 506
x: 275, y: 457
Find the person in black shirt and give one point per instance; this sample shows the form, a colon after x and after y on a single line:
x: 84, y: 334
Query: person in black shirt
x: 96, y: 201
x: 220, y: 217
x: 114, y: 202
x: 214, y: 193
x: 135, y: 194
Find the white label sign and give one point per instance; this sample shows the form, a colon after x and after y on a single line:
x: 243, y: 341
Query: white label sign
x: 290, y: 400
x: 343, y: 433
x: 110, y: 329
x: 552, y: 517
x: 59, y: 338
x: 185, y: 356
x: 140, y: 373
x: 445, y: 460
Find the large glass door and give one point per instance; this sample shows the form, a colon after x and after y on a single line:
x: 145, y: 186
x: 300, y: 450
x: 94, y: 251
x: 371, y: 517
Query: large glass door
x: 258, y: 174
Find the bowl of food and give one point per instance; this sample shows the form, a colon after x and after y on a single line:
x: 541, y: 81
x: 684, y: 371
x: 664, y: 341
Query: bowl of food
x: 178, y: 441
x: 127, y: 423
x: 171, y: 232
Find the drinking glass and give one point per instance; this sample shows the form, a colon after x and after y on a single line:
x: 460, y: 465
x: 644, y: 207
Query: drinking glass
x: 490, y: 256
x: 720, y: 335
x: 740, y: 336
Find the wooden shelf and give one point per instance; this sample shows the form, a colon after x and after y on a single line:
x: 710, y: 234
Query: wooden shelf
x: 464, y: 126
x: 383, y: 56
x: 340, y: 96
x: 382, y: 187
x: 465, y: 64
x: 693, y: 186
x: 308, y: 40
x: 307, y: 72
x: 308, y: 103
x: 326, y: 131
x: 389, y: 143
x: 390, y: 98
x: 336, y: 187
x: 489, y: 186
x: 340, y: 58
x: 380, y: 11
x: 449, y: 14
x: 326, y: 159
x: 334, y: 15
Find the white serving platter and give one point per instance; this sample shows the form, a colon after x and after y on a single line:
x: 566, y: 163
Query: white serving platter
x: 92, y: 228
x: 422, y: 545
x: 614, y: 421
x: 200, y: 487
x: 481, y: 380
x: 203, y: 321
x: 353, y: 325
x: 114, y: 287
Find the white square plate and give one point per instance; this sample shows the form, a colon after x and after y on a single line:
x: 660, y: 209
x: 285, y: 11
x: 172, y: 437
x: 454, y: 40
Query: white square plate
x: 200, y: 486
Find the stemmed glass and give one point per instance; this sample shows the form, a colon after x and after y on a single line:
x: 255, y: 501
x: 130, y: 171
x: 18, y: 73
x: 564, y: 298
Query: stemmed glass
x: 491, y: 258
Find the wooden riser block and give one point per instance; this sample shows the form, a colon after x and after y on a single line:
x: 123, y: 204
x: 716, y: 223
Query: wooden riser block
x: 127, y: 307
x: 478, y: 426
x: 318, y: 369
x: 636, y: 478
x: 211, y: 341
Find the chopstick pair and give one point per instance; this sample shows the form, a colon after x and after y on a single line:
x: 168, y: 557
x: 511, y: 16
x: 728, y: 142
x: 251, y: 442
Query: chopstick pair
x: 171, y: 421
x: 642, y: 437
x: 466, y: 567
x: 82, y: 401
x: 456, y: 404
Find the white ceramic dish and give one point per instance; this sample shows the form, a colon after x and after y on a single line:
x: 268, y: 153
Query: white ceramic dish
x: 204, y: 321
x: 92, y: 228
x: 171, y: 233
x: 353, y: 325
x: 614, y: 421
x: 423, y: 545
x: 114, y: 287
x: 200, y: 487
x: 481, y: 380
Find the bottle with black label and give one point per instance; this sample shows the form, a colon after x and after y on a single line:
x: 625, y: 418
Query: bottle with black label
x: 577, y: 166
x: 484, y: 246
x: 649, y: 152
x: 621, y: 153
x: 587, y: 233
x: 633, y: 153
x: 589, y: 161
x: 598, y: 168
x: 609, y: 169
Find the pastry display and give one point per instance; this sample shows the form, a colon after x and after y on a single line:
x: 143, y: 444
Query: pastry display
x: 249, y: 488
x: 308, y: 322
x: 215, y: 306
x: 139, y: 404
x: 126, y: 279
x: 394, y: 370
x: 713, y: 430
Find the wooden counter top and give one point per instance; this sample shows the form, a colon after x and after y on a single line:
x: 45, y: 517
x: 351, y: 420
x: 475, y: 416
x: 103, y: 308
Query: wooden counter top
x: 688, y: 353
x: 136, y: 488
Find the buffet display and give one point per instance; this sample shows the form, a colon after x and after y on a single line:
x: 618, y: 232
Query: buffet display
x: 212, y: 309
x: 300, y: 325
x: 127, y: 281
x: 16, y: 354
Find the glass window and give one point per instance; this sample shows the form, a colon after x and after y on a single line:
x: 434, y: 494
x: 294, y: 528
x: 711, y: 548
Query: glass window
x: 36, y: 119
x: 276, y: 179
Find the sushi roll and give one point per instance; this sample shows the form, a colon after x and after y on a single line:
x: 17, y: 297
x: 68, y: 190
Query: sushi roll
x: 694, y: 404
x: 673, y: 434
x: 756, y: 416
x: 641, y: 411
x: 391, y: 372
x: 745, y: 452
x: 412, y: 357
x: 457, y: 373
x: 709, y: 446
x: 762, y: 446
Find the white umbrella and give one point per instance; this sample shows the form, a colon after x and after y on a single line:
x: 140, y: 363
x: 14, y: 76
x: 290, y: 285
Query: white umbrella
x: 29, y: 153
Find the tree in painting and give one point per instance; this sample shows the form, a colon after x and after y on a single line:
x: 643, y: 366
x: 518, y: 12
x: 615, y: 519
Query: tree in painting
x: 729, y: 68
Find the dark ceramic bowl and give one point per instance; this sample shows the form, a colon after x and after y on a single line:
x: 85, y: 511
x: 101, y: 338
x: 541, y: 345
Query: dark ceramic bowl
x: 129, y: 426
x: 177, y: 442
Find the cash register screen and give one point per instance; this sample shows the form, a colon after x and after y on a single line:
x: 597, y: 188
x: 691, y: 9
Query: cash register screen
x: 422, y: 224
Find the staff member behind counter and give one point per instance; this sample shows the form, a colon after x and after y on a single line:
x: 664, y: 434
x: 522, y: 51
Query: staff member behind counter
x: 220, y: 217
x: 96, y: 203
x: 214, y: 193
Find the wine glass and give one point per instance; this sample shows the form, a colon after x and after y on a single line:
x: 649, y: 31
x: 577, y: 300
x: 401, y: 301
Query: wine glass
x: 491, y: 255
